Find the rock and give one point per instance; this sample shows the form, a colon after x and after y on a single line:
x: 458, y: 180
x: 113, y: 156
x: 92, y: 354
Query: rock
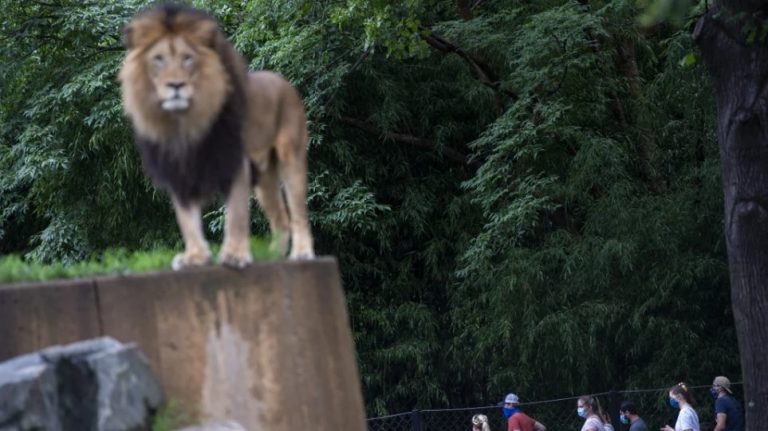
x: 28, y: 395
x: 98, y: 384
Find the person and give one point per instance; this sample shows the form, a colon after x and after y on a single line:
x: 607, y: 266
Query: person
x: 680, y: 398
x: 480, y: 423
x: 516, y: 419
x: 728, y: 415
x: 588, y: 407
x: 628, y: 416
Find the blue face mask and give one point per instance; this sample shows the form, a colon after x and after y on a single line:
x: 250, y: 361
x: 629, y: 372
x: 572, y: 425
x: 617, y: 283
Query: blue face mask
x: 673, y: 402
x: 581, y: 412
x: 624, y: 419
x: 508, y: 412
x: 714, y: 392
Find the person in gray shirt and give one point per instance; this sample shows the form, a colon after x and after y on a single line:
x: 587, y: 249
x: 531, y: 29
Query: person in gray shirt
x: 629, y: 416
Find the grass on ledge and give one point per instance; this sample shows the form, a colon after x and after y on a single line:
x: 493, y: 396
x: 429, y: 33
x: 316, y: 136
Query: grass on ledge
x: 112, y: 262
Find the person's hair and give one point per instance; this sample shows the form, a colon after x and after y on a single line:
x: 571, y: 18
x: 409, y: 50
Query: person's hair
x: 594, y: 405
x: 682, y: 389
x: 480, y: 422
x: 628, y: 406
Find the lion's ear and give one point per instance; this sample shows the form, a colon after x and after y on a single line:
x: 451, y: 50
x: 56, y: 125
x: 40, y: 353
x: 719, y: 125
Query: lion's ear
x: 127, y: 37
x: 141, y: 32
x: 206, y: 33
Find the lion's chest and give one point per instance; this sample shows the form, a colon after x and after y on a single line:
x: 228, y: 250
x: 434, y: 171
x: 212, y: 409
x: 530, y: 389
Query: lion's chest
x: 200, y: 171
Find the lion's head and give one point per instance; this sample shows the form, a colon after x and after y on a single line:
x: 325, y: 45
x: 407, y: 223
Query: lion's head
x: 178, y: 73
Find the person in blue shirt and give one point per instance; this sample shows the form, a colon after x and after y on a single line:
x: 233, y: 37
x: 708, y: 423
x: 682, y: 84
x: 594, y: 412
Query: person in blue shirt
x: 728, y: 415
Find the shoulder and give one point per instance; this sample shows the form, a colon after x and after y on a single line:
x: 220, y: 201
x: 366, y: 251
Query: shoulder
x: 594, y: 422
x: 638, y: 425
x: 520, y: 416
x: 688, y: 417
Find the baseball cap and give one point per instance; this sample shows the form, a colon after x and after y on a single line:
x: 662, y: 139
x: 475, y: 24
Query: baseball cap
x: 723, y: 382
x: 511, y: 398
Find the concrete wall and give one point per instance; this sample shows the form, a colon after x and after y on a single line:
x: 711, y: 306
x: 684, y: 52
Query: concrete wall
x: 269, y: 346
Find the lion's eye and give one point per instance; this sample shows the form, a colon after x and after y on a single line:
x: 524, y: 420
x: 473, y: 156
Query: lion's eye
x: 158, y: 61
x: 186, y: 60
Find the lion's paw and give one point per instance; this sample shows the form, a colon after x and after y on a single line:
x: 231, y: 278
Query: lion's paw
x: 306, y: 255
x: 186, y: 260
x: 235, y: 260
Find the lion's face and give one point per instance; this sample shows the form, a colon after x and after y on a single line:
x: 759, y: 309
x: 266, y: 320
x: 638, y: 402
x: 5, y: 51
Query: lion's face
x: 173, y: 80
x: 173, y: 66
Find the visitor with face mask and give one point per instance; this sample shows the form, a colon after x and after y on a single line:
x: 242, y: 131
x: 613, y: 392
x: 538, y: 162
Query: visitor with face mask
x: 516, y: 419
x: 727, y: 410
x: 680, y: 398
x: 628, y: 416
x: 588, y: 408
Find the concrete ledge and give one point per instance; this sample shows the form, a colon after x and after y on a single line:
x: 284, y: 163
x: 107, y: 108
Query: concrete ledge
x: 269, y: 347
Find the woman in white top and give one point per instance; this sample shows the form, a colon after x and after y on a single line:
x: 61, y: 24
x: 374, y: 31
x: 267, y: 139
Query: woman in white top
x: 687, y: 420
x: 588, y: 408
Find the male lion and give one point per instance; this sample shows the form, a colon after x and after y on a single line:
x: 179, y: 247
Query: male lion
x: 204, y: 126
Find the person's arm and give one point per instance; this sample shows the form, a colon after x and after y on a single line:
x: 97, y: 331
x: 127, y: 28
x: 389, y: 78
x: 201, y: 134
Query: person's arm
x: 721, y: 419
x: 538, y: 426
x: 667, y: 428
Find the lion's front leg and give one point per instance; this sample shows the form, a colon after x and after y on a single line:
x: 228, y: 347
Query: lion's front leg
x: 196, y: 252
x: 236, y: 250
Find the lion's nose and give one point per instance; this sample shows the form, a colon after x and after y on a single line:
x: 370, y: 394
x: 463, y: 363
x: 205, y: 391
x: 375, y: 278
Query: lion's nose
x: 175, y: 85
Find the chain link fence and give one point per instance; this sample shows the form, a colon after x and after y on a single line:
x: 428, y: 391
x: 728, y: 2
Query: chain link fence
x: 560, y: 414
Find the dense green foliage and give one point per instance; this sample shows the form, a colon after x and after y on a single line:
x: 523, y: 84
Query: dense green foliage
x: 523, y: 195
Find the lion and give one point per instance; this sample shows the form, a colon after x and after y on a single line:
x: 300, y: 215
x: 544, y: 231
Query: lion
x: 206, y: 127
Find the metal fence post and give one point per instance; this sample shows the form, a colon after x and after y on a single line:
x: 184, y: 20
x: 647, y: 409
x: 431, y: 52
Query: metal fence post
x: 416, y: 424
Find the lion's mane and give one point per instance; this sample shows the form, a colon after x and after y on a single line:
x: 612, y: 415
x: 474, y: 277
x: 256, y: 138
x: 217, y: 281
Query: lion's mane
x: 196, y: 155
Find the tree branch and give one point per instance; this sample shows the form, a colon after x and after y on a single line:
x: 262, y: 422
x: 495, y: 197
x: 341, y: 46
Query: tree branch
x: 479, y: 68
x: 414, y: 141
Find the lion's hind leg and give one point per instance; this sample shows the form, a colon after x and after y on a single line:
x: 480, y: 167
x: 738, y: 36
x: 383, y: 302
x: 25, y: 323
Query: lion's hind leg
x: 293, y: 172
x: 236, y: 249
x: 271, y: 201
x: 196, y: 251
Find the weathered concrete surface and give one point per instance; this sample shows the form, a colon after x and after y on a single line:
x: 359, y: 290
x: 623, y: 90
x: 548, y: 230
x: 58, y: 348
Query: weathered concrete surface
x: 268, y: 347
x: 37, y: 315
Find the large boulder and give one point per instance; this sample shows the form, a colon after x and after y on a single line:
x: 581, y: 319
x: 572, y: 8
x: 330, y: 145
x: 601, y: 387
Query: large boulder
x: 28, y: 395
x: 99, y: 385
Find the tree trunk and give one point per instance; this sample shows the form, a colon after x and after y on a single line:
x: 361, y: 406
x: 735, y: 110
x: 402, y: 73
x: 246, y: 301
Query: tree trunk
x: 739, y: 71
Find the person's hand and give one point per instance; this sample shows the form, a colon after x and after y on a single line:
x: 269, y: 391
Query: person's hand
x: 667, y: 428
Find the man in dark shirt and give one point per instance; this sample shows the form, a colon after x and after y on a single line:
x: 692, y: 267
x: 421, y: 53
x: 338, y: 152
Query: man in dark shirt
x: 629, y: 415
x: 727, y: 410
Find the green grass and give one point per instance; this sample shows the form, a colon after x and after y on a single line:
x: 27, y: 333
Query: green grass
x: 169, y: 417
x: 112, y: 262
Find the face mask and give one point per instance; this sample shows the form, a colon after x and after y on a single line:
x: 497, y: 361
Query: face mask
x: 714, y: 392
x: 673, y: 402
x: 581, y: 412
x: 508, y: 412
x: 624, y: 419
